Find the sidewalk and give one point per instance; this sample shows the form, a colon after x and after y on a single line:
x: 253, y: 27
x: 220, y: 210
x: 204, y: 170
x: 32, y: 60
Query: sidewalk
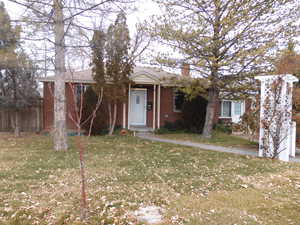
x: 151, y: 137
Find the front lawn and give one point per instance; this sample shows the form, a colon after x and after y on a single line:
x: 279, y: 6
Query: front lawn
x: 219, y: 138
x: 40, y: 186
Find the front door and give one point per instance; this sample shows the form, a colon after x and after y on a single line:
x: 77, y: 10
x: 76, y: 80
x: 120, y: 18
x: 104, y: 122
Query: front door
x: 138, y: 100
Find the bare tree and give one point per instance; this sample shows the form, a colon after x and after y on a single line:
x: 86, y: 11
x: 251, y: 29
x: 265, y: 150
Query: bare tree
x: 76, y: 117
x: 62, y: 18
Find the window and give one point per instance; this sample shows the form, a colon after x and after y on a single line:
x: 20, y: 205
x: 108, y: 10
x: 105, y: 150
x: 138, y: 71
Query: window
x: 232, y: 109
x: 226, y: 109
x: 178, y: 99
x: 237, y: 108
x: 79, y: 91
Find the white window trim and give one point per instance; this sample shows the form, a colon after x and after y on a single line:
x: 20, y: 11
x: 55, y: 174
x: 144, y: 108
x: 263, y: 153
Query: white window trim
x: 225, y: 117
x: 232, y: 108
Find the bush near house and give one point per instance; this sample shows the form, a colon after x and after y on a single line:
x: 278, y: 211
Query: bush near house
x: 223, y: 127
x: 193, y: 114
x: 193, y: 117
x: 100, y: 122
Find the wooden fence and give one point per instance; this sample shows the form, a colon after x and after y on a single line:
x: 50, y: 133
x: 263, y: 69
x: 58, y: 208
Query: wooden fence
x: 31, y: 119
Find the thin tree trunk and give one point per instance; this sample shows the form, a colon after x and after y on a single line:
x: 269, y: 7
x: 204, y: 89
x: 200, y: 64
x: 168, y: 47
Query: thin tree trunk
x: 60, y: 133
x: 99, y: 101
x: 210, y: 113
x: 17, y: 124
x: 114, y: 119
x: 12, y: 121
x: 81, y: 147
x: 83, y: 205
x: 109, y: 117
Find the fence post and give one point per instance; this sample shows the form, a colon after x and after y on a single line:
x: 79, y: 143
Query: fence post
x: 293, y: 140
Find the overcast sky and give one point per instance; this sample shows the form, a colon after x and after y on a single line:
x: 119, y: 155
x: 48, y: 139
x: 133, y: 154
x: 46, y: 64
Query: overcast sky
x: 145, y: 9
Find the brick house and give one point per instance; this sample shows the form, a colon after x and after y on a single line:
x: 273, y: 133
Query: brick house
x: 152, y: 100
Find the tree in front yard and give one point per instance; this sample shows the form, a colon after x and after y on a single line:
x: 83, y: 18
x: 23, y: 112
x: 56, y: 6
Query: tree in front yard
x: 289, y: 61
x: 18, y: 88
x: 63, y: 24
x: 222, y: 38
x: 112, y: 65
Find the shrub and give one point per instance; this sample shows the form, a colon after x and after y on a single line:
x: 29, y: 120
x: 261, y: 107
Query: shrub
x: 223, y: 127
x: 100, y: 122
x: 193, y: 113
x: 162, y: 130
x: 174, y: 126
x: 250, y: 120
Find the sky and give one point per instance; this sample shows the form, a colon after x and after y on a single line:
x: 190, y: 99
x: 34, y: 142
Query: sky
x: 145, y: 9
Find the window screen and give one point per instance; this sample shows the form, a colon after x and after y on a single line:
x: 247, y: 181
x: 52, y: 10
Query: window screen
x: 226, y: 109
x: 238, y: 108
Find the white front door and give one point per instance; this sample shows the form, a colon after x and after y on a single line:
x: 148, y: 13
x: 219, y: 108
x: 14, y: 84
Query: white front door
x: 138, y: 99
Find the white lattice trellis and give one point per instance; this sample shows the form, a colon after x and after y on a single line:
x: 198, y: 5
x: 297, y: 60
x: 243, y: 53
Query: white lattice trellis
x: 277, y: 132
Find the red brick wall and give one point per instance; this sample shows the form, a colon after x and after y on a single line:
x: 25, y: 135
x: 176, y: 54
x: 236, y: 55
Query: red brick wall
x: 48, y: 107
x: 166, y: 110
x: 218, y: 112
x: 119, y: 121
x: 150, y: 92
x: 48, y: 115
x: 167, y: 113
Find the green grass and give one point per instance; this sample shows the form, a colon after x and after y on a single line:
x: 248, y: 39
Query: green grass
x: 218, y: 138
x: 40, y: 186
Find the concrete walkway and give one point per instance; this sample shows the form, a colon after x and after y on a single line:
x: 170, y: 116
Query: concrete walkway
x: 151, y: 137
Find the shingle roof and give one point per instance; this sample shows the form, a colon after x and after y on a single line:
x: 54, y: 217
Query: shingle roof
x: 139, y: 75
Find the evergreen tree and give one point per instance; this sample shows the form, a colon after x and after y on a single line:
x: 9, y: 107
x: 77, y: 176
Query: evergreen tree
x: 98, y: 64
x: 9, y: 40
x: 18, y: 87
x: 112, y: 65
x: 224, y: 40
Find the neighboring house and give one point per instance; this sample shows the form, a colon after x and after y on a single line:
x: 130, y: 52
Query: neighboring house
x: 152, y: 102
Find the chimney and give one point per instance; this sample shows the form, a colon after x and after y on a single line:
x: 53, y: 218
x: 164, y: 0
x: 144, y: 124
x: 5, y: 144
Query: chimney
x: 185, y: 70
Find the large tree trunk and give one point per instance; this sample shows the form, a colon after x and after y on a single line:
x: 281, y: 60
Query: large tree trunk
x: 60, y: 134
x: 114, y: 119
x: 210, y: 112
